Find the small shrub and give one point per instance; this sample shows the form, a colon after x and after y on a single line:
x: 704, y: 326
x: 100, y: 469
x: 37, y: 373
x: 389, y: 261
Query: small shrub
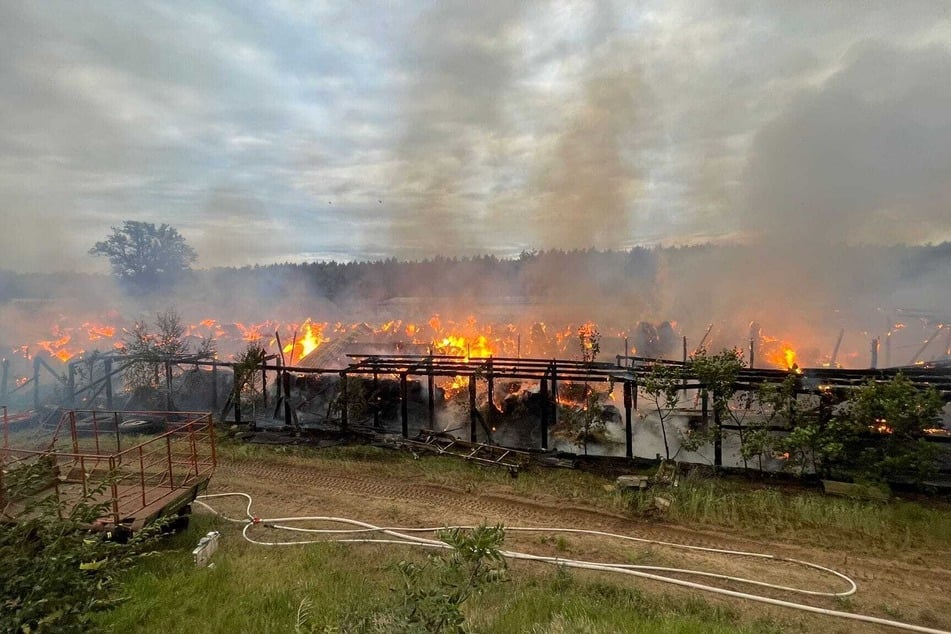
x: 431, y: 595
x: 55, y: 573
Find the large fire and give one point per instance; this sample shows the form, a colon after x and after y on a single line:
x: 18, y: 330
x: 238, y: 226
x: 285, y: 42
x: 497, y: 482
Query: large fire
x: 778, y: 353
x: 467, y: 338
x: 306, y: 339
x: 478, y: 346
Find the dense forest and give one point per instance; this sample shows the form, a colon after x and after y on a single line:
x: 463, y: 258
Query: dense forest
x: 581, y: 274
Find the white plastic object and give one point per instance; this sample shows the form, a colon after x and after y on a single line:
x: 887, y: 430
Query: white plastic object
x: 207, y: 546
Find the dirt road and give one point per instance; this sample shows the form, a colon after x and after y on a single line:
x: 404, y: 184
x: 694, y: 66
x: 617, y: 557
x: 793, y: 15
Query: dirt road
x: 912, y: 586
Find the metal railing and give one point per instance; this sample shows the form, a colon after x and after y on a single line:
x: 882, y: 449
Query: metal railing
x: 85, y: 449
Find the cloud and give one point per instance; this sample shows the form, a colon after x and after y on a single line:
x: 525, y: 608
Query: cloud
x: 866, y: 157
x: 481, y: 128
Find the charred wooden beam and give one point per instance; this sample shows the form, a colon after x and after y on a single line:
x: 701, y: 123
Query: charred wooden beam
x: 404, y: 406
x: 431, y: 387
x: 546, y: 408
x: 345, y: 401
x: 628, y: 422
x: 472, y: 408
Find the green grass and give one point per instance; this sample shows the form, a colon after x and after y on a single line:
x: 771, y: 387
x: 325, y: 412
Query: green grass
x: 253, y: 588
x: 249, y: 588
x: 560, y: 601
x: 804, y: 516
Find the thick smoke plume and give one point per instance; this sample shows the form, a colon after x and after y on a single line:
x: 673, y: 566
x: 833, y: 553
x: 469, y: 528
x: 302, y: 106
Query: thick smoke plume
x: 804, y: 141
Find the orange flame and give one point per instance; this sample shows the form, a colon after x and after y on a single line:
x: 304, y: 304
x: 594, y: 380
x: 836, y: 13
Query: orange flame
x: 779, y: 353
x: 99, y: 331
x: 478, y: 346
x: 250, y: 333
x: 57, y: 347
x: 458, y: 384
x: 309, y: 339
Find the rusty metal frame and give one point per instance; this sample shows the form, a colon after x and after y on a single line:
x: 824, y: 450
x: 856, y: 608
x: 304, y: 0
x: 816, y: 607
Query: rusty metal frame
x: 153, y: 472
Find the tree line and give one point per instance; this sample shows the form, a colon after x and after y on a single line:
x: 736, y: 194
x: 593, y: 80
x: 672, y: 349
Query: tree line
x: 147, y: 259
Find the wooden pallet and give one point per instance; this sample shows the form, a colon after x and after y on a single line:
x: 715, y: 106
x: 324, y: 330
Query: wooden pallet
x: 443, y: 444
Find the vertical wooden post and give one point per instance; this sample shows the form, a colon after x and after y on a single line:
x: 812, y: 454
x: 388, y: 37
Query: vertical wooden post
x: 214, y: 386
x: 288, y: 411
x: 431, y: 386
x: 490, y: 382
x: 344, y: 401
x: 168, y: 387
x: 36, y: 382
x: 684, y: 381
x: 628, y: 421
x: 472, y: 408
x: 264, y: 380
x: 404, y: 410
x: 752, y: 353
x: 376, y: 398
x: 107, y: 369
x: 115, y: 425
x: 554, y: 393
x: 546, y: 408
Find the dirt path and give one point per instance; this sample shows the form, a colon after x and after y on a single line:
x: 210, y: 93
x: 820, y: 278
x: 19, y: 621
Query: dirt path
x: 913, y: 587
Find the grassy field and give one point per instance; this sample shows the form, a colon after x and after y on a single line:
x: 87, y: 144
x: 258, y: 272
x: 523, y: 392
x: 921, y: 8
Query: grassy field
x: 344, y: 588
x: 262, y: 590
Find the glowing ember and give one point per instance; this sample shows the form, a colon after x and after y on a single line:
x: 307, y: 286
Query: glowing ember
x: 458, y: 384
x: 99, y: 331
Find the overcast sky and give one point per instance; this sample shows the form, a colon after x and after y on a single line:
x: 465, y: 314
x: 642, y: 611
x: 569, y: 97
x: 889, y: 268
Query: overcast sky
x: 270, y: 131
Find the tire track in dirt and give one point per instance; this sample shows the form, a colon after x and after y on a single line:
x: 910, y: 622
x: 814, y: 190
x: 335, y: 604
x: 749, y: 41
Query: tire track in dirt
x: 514, y: 510
x: 435, y: 494
x: 910, y: 580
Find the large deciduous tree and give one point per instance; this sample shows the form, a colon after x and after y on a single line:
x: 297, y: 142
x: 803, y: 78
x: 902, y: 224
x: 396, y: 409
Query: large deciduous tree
x: 144, y: 257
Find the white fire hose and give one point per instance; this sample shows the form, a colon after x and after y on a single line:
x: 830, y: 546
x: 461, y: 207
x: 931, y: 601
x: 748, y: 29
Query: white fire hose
x: 401, y: 536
